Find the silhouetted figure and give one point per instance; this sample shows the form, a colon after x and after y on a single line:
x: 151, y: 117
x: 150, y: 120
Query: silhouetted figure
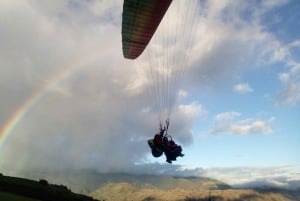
x: 163, y: 143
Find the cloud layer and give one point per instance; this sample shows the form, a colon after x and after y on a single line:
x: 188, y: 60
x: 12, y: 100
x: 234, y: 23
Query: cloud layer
x: 244, y: 127
x: 242, y: 88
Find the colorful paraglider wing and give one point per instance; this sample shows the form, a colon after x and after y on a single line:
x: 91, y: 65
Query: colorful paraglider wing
x: 140, y: 20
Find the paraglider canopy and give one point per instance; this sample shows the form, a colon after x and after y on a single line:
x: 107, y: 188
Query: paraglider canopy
x: 140, y: 21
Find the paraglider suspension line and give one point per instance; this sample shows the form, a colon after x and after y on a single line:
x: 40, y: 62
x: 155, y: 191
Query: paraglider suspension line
x: 166, y: 126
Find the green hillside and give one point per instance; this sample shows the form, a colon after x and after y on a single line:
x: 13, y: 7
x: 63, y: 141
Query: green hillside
x: 13, y: 188
x: 4, y: 196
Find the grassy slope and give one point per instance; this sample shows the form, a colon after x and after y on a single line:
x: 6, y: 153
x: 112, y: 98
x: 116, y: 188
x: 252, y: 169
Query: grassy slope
x: 4, y: 196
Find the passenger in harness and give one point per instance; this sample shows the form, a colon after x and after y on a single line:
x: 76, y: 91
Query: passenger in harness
x: 163, y: 143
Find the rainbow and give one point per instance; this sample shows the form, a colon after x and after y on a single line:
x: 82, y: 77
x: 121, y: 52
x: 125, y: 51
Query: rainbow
x: 38, y: 95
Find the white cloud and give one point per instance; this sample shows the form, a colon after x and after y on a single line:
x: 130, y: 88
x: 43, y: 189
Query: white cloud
x: 295, y: 43
x: 290, y: 79
x: 138, y: 82
x: 284, y: 77
x: 192, y: 110
x: 244, y: 127
x: 290, y: 94
x: 272, y: 176
x: 273, y: 3
x: 182, y: 94
x: 182, y: 120
x: 226, y: 116
x: 242, y: 88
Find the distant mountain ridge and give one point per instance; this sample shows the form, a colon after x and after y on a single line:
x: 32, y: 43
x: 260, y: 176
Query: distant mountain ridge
x: 163, y: 182
x: 94, y: 180
x: 88, y: 181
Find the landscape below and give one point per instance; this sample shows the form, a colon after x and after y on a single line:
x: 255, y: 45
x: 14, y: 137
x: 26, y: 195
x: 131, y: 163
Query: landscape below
x: 111, y: 187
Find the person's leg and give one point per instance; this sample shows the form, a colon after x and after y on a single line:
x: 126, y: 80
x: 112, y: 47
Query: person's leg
x: 167, y: 154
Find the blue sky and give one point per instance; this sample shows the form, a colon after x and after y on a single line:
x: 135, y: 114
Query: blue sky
x: 237, y: 114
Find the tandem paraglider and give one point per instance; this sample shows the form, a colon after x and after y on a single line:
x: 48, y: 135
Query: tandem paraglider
x: 163, y: 143
x: 162, y: 29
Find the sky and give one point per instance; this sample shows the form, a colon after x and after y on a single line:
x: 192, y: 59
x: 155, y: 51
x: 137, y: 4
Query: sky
x: 69, y: 99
